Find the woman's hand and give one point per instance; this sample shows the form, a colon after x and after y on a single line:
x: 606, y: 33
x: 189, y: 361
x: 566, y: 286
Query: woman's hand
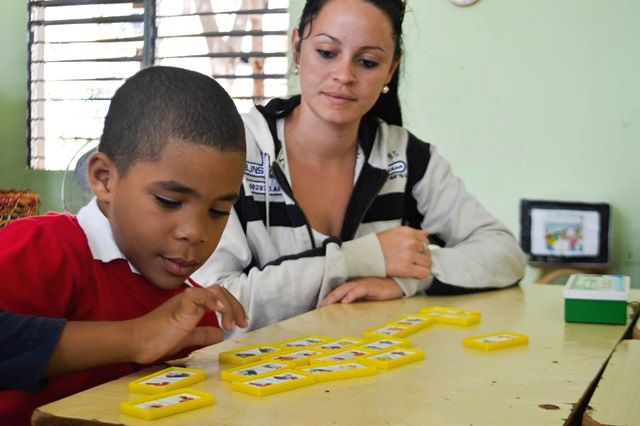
x: 406, y: 252
x: 368, y: 288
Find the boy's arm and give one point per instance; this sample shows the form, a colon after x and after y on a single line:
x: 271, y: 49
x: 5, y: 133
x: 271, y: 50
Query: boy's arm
x: 33, y: 348
x: 163, y: 331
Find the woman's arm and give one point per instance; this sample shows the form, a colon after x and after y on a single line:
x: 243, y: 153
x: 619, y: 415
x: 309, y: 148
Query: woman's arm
x: 290, y: 285
x: 479, y: 251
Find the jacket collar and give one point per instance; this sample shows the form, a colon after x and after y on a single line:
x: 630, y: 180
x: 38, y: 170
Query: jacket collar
x: 279, y: 108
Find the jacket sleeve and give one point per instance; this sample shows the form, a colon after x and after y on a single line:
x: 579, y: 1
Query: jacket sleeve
x: 479, y: 251
x: 26, y: 344
x: 290, y: 285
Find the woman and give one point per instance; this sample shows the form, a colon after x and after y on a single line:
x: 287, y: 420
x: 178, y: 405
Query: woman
x: 339, y: 202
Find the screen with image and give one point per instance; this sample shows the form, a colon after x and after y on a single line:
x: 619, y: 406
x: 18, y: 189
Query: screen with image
x: 560, y: 232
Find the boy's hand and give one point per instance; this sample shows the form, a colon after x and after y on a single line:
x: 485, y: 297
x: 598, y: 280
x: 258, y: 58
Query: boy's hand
x: 173, y: 325
x: 368, y: 288
x: 406, y: 252
x: 232, y: 311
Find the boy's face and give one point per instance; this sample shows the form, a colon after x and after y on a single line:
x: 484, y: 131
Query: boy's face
x: 167, y: 216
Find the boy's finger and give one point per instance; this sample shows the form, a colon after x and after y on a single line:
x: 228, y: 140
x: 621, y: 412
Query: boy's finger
x: 193, y: 301
x: 203, y: 336
x: 222, y: 305
x: 239, y: 314
x: 227, y: 313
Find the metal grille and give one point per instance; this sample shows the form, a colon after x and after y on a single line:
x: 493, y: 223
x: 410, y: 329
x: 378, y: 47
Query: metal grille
x: 82, y: 50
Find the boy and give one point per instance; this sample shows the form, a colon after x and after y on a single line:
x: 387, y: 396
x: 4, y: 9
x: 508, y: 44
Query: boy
x: 165, y: 178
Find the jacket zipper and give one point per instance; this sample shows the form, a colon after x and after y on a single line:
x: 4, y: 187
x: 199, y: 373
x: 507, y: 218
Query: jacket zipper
x: 371, y: 200
x: 284, y: 184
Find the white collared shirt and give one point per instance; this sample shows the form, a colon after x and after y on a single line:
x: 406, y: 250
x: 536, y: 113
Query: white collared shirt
x: 96, y: 227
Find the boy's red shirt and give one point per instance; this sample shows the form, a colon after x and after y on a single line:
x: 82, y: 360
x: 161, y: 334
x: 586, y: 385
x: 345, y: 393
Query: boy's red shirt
x: 48, y: 270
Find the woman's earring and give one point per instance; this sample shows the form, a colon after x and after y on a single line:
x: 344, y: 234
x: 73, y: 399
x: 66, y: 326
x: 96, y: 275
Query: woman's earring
x: 385, y: 89
x: 295, y: 69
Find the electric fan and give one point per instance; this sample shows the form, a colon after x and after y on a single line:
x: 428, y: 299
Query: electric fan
x: 75, y: 192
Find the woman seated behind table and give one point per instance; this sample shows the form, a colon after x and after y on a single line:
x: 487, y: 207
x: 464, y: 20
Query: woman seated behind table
x: 339, y: 202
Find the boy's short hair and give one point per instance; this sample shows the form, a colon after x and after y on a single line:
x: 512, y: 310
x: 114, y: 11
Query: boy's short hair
x: 161, y: 102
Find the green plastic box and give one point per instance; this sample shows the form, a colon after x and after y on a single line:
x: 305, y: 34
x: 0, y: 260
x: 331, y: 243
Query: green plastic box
x: 600, y: 299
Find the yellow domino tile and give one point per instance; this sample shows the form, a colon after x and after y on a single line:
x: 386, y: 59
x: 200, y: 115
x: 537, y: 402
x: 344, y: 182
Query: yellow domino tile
x: 279, y: 381
x: 415, y: 321
x: 340, y: 343
x: 382, y: 344
x: 499, y: 340
x: 249, y: 354
x: 167, y: 380
x: 165, y: 404
x: 298, y: 356
x: 254, y: 371
x: 340, y: 370
x: 449, y: 310
x: 388, y: 330
x: 452, y: 319
x: 304, y: 341
x: 395, y: 357
x: 342, y: 355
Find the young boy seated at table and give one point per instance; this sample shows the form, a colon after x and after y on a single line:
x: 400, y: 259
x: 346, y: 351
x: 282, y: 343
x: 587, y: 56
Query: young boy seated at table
x: 165, y: 178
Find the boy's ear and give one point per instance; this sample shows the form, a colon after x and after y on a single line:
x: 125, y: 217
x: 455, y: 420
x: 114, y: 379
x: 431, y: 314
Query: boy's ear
x: 102, y: 175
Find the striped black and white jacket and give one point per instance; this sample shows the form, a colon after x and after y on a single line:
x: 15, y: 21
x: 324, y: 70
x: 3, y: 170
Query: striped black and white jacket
x: 277, y: 266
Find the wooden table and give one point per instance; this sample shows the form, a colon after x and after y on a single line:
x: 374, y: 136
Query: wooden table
x: 535, y: 384
x: 616, y: 400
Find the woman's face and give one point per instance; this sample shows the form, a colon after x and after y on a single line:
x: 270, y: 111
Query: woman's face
x: 345, y: 59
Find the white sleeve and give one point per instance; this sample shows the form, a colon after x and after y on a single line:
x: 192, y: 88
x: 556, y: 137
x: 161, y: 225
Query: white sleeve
x: 293, y: 285
x: 480, y: 251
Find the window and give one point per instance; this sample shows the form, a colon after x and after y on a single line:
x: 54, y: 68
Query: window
x: 82, y: 50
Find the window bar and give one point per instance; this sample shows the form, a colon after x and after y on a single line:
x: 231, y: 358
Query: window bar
x: 105, y: 40
x: 54, y: 3
x: 232, y: 54
x: 215, y: 76
x: 37, y: 73
x: 230, y: 12
x: 257, y: 63
x: 150, y: 32
x: 225, y: 34
x: 94, y: 20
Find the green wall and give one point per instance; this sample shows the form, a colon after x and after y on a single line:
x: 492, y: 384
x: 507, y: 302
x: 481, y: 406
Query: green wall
x: 526, y: 99
x: 533, y: 99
